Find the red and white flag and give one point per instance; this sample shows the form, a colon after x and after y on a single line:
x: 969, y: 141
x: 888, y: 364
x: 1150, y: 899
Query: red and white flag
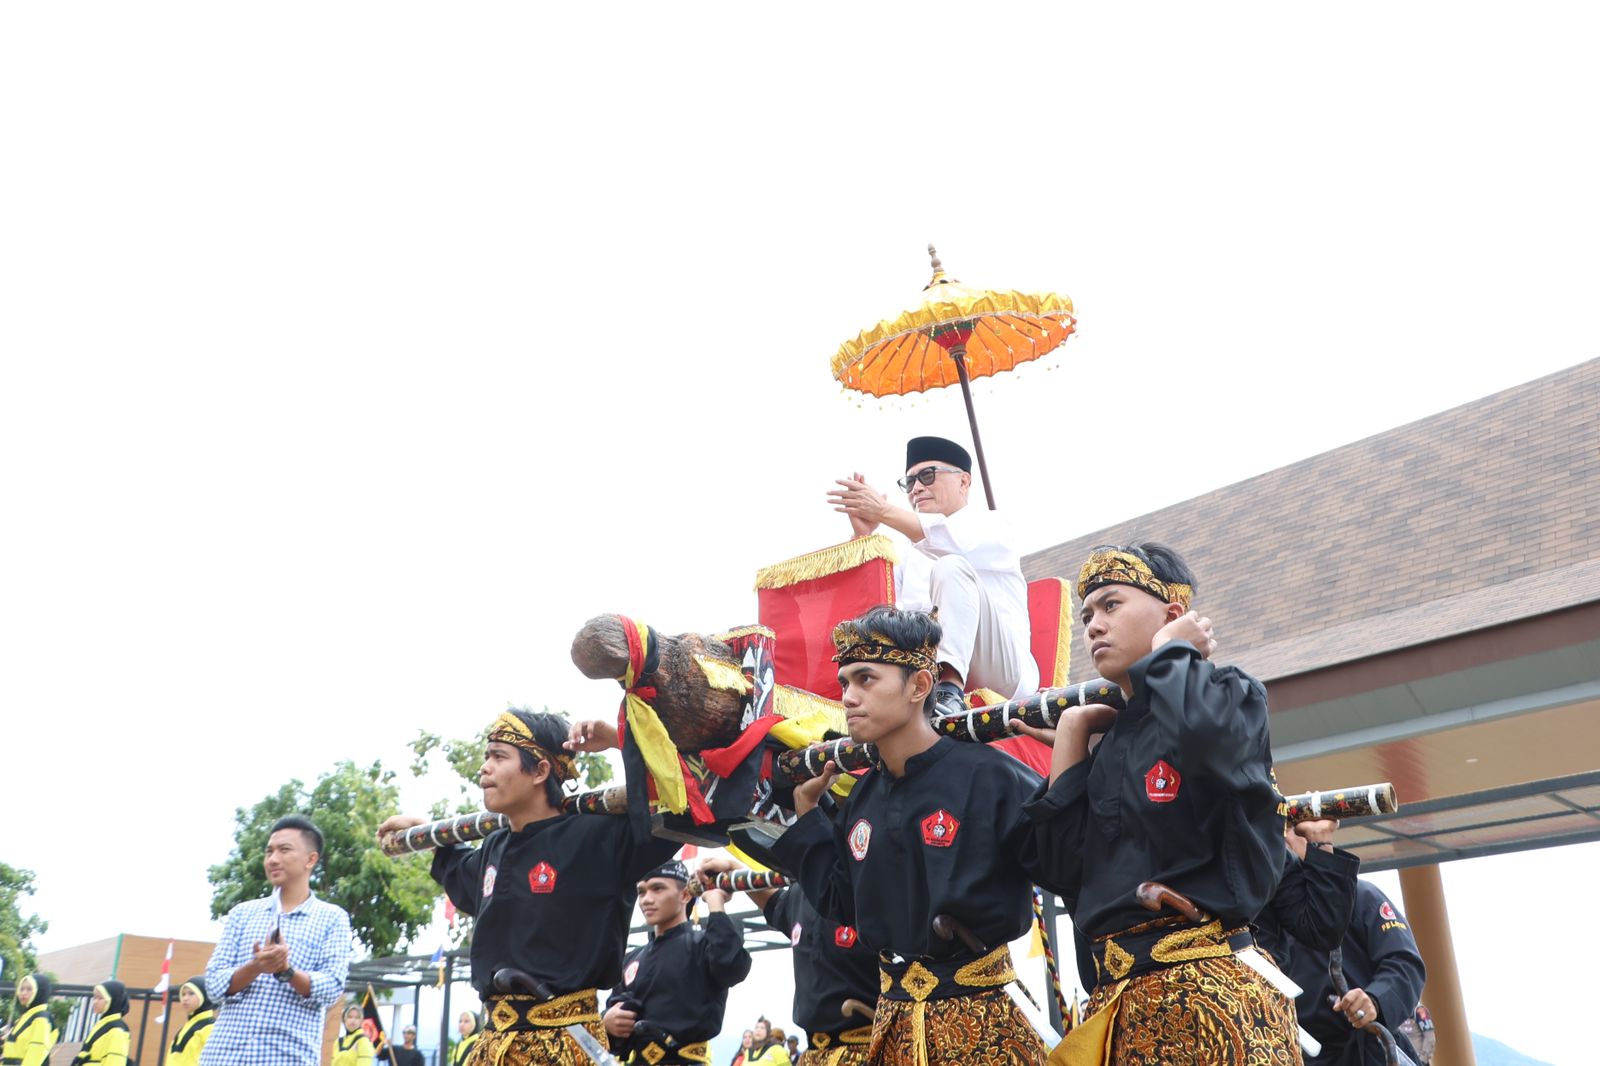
x: 450, y: 911
x: 165, y: 982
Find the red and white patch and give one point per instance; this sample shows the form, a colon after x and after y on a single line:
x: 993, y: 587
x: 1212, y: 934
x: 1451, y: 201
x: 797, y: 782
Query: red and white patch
x: 542, y: 878
x: 1161, y: 782
x: 860, y: 837
x: 939, y: 829
x: 1386, y: 911
x: 845, y: 937
x: 488, y: 882
x: 631, y: 972
x: 794, y: 935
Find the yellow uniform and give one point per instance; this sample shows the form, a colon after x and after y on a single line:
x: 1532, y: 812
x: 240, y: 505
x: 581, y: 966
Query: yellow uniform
x: 463, y: 1049
x: 31, y: 1038
x: 107, y: 1044
x: 191, y: 1039
x: 353, y: 1049
x: 771, y: 1055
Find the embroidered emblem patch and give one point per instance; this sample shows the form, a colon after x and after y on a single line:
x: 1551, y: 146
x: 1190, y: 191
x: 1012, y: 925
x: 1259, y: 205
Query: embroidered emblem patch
x: 939, y: 829
x: 542, y: 878
x: 860, y: 837
x: 488, y: 882
x: 844, y: 936
x: 631, y: 972
x: 1161, y: 782
x: 794, y: 936
x: 1386, y: 911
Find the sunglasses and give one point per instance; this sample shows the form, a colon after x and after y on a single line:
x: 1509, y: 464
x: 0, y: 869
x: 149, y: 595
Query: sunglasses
x: 926, y: 476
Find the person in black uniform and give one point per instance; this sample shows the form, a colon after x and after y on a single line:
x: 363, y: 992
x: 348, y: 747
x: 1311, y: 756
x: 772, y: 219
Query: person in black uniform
x: 674, y: 989
x: 551, y: 895
x: 1179, y: 791
x: 936, y: 831
x: 1385, y: 973
x: 1312, y: 904
x: 831, y: 967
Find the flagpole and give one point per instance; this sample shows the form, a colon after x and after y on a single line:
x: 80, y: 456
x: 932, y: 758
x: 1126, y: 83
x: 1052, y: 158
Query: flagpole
x: 164, y: 986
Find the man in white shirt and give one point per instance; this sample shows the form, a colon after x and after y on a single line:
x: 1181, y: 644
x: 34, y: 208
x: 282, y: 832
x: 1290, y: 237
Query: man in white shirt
x: 963, y: 562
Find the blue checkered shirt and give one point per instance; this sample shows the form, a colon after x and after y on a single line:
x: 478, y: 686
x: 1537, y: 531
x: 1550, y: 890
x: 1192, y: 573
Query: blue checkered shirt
x: 269, y: 1023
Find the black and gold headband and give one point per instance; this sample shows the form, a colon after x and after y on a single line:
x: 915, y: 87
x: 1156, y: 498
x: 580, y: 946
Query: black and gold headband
x: 857, y: 645
x: 509, y: 729
x: 1111, y: 566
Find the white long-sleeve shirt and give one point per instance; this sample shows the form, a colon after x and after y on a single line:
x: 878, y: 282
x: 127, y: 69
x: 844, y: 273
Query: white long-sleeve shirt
x: 986, y: 540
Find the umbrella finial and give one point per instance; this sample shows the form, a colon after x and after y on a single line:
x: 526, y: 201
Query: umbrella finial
x: 938, y: 271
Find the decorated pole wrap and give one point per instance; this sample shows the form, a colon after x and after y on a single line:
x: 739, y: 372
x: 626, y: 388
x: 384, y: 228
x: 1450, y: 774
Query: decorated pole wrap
x: 743, y: 881
x: 1363, y: 801
x: 467, y: 828
x: 982, y: 725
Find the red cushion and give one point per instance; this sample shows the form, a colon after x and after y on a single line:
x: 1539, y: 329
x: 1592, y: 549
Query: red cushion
x: 1048, y: 604
x: 803, y: 613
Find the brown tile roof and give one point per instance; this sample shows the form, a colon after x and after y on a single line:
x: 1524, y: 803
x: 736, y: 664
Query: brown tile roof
x: 1394, y: 540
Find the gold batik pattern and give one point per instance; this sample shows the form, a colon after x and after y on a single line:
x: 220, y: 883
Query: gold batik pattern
x: 537, y: 1047
x: 1213, y: 1011
x: 983, y: 1028
x: 842, y: 1055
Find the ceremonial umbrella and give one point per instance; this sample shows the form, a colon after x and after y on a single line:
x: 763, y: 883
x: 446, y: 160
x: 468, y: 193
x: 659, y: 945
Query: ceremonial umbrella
x: 956, y: 334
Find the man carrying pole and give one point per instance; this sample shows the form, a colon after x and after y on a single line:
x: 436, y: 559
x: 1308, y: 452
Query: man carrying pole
x: 674, y: 989
x: 551, y: 894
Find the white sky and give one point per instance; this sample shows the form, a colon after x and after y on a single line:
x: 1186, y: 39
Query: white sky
x: 354, y: 354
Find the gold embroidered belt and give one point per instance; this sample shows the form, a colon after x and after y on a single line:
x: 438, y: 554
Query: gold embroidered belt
x: 1163, y: 942
x: 521, y: 1014
x: 653, y: 1053
x: 823, y: 1041
x: 919, y: 980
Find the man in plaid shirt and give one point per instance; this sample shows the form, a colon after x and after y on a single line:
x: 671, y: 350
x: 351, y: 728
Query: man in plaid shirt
x: 281, y: 962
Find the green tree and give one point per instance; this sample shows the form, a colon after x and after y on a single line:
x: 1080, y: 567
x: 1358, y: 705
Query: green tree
x: 389, y: 901
x: 463, y: 756
x: 16, y: 930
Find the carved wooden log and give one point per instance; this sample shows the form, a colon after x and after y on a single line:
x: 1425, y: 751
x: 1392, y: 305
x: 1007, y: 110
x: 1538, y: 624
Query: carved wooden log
x: 696, y: 715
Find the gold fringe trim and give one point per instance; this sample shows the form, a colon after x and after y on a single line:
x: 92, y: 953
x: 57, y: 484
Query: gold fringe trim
x: 1063, y: 668
x: 754, y: 630
x: 721, y: 674
x: 794, y: 702
x: 827, y: 561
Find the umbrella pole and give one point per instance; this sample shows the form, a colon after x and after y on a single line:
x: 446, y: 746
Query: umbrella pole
x: 959, y: 354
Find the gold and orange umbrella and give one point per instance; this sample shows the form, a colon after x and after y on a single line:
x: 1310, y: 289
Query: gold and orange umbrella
x: 956, y: 334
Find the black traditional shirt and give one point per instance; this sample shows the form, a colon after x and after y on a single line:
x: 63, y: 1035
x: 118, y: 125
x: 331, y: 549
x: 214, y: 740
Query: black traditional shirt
x: 553, y: 900
x: 1380, y: 956
x: 947, y: 837
x: 679, y: 979
x: 1311, y: 906
x: 831, y: 964
x: 1178, y: 791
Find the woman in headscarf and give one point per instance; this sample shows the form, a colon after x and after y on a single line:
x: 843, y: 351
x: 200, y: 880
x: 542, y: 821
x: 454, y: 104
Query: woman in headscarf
x: 192, y: 1037
x: 353, y: 1048
x: 744, y: 1049
x: 107, y: 1044
x: 32, y: 1037
x: 467, y: 1026
x: 764, y: 1049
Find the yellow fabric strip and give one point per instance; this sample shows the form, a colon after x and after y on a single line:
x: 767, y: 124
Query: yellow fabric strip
x: 723, y: 675
x: 826, y: 562
x: 660, y: 754
x: 1089, y: 1044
